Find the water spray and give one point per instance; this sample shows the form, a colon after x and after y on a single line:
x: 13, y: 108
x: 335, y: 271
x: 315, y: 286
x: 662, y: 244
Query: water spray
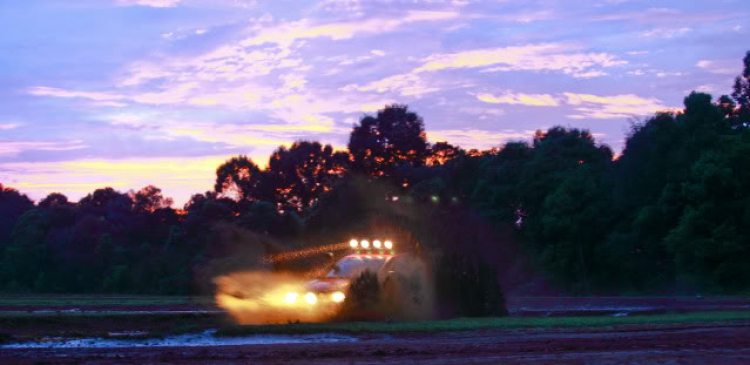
x: 295, y: 255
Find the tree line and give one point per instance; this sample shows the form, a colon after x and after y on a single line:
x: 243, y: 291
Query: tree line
x: 670, y: 213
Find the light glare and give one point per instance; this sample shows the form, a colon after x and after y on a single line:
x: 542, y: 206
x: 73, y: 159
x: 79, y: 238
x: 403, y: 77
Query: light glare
x: 376, y: 244
x: 291, y: 298
x: 365, y: 244
x: 388, y: 244
x: 353, y: 243
x: 338, y: 297
x: 310, y: 298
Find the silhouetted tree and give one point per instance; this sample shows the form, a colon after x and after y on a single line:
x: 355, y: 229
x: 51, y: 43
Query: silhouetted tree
x: 54, y: 200
x: 497, y: 182
x: 560, y: 190
x: 741, y: 93
x: 442, y: 152
x: 239, y: 178
x: 12, y: 205
x: 106, y: 200
x: 557, y: 152
x: 711, y: 240
x: 394, y: 138
x: 150, y: 199
x: 301, y: 173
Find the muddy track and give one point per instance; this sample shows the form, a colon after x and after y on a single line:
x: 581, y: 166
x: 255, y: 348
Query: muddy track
x: 688, y: 344
x: 517, y: 306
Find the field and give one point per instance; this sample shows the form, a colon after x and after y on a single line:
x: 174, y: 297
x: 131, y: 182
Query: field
x: 80, y: 329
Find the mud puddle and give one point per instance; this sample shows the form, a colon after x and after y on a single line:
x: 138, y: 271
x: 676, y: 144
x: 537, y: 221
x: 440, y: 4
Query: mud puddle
x: 201, y: 339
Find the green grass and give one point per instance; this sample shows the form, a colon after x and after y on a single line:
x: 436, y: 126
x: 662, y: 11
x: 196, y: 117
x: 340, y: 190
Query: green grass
x: 99, y: 324
x: 470, y: 324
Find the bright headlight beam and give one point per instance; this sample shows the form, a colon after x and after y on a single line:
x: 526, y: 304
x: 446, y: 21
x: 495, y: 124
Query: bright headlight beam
x: 388, y: 244
x: 376, y: 244
x: 291, y: 298
x: 310, y: 298
x: 338, y: 297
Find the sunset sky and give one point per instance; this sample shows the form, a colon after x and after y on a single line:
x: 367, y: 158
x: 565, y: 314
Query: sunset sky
x: 126, y: 93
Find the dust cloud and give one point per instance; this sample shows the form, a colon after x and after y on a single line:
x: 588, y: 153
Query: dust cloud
x: 408, y: 291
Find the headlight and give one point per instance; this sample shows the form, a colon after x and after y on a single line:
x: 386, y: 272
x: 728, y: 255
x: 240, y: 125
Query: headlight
x: 310, y: 298
x: 376, y: 244
x: 338, y: 297
x: 388, y: 244
x: 291, y: 298
x: 353, y: 243
x: 365, y: 244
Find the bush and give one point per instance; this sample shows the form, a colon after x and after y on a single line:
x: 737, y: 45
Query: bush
x: 468, y: 288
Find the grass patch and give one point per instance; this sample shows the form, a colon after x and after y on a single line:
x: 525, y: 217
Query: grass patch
x: 470, y: 324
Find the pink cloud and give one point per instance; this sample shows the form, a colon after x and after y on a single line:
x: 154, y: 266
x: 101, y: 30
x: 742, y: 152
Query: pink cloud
x: 12, y: 148
x: 151, y: 3
x: 477, y: 138
x: 9, y: 126
x: 51, y: 91
x: 612, y: 107
x: 286, y: 34
x: 533, y: 57
x: 523, y: 99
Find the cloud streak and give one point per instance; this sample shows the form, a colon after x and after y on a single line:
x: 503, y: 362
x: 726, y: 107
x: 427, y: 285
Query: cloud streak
x: 13, y: 148
x: 406, y: 85
x: 61, y: 93
x: 519, y: 99
x: 534, y: 57
x: 9, y: 126
x: 285, y: 34
x: 477, y: 138
x: 611, y: 107
x: 151, y: 3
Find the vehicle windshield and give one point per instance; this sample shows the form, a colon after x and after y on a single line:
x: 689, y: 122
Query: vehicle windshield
x: 351, y: 266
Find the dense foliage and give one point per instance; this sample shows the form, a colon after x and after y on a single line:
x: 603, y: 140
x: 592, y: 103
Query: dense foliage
x: 671, y: 213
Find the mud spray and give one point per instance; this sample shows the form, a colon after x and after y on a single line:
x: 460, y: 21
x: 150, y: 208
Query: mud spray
x: 405, y: 292
x: 264, y: 298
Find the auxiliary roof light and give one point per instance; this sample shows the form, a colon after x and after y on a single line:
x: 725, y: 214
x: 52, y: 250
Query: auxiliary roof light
x: 374, y: 245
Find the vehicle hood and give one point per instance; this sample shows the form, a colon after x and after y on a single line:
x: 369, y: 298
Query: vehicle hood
x: 327, y: 285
